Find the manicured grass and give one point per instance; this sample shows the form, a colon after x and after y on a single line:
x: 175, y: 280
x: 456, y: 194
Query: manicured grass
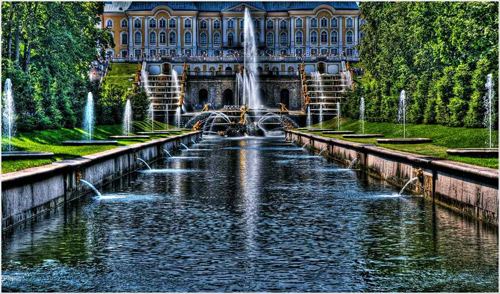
x: 122, y: 74
x: 443, y: 138
x: 51, y: 141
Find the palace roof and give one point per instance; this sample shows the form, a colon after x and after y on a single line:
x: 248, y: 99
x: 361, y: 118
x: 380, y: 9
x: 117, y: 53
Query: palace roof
x: 119, y: 6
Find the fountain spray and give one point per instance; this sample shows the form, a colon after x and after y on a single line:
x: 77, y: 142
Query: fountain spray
x: 402, y: 111
x: 9, y: 114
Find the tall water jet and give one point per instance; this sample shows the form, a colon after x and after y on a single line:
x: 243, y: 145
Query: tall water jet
x: 127, y: 118
x: 488, y: 104
x: 151, y: 116
x: 402, y: 111
x: 145, y: 77
x: 89, y: 118
x: 362, y: 114
x: 251, y: 93
x: 338, y: 116
x: 177, y: 91
x: 316, y: 77
x: 9, y: 114
x: 308, y: 121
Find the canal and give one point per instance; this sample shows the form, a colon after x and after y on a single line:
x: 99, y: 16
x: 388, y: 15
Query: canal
x: 253, y: 214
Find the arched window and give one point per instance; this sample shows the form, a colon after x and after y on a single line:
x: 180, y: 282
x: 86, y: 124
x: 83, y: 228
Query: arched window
x: 298, y: 23
x: 163, y: 23
x: 109, y: 23
x: 242, y: 38
x: 203, y: 96
x: 187, y: 23
x: 349, y: 37
x: 324, y: 22
x: 216, y: 38
x: 270, y: 38
x: 171, y: 38
x: 242, y: 24
x: 137, y: 23
x: 335, y: 23
x: 314, y: 23
x: 256, y: 23
x: 187, y: 37
x: 230, y: 24
x: 216, y: 24
x: 314, y: 37
x: 171, y: 23
x: 298, y: 37
x: 283, y: 24
x: 230, y: 39
x: 163, y: 38
x: 203, y: 24
x: 349, y: 22
x: 124, y: 23
x: 152, y: 23
x: 283, y: 39
x: 324, y: 37
x: 203, y: 39
x: 137, y: 38
x: 335, y: 37
x: 124, y: 38
x: 257, y: 38
x: 270, y: 24
x: 152, y: 38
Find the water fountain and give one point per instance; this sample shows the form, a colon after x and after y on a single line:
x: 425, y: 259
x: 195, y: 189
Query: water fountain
x: 166, y: 151
x: 92, y: 187
x: 362, y: 114
x: 322, y: 150
x: 140, y: 159
x: 338, y: 116
x: 304, y: 146
x: 353, y: 162
x: 402, y: 119
x: 488, y: 122
x: 407, y: 183
x: 88, y: 125
x: 127, y: 125
x: 194, y: 142
x: 316, y: 77
x: 183, y: 145
x: 251, y: 93
x: 8, y: 128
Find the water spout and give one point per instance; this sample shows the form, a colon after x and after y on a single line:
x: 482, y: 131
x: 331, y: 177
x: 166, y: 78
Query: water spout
x: 9, y: 114
x: 409, y: 182
x: 166, y: 151
x: 184, y: 146
x: 194, y: 142
x: 251, y: 93
x: 89, y: 118
x: 402, y: 111
x: 127, y: 118
x: 362, y: 114
x: 92, y: 186
x: 488, y: 104
x: 338, y: 116
x: 353, y: 162
x: 144, y: 163
x: 305, y: 145
x: 323, y: 150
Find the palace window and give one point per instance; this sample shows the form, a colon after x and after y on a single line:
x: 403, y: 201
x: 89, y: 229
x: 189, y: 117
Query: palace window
x: 137, y: 23
x: 216, y: 39
x: 152, y: 38
x: 298, y: 23
x: 324, y: 37
x: 152, y: 23
x: 163, y: 52
x: 283, y: 39
x: 324, y: 22
x: 283, y: 24
x: 187, y: 23
x: 171, y: 38
x: 349, y: 22
x: 349, y: 37
x: 324, y: 51
x: 187, y: 37
x: 124, y: 23
x: 137, y: 38
x: 270, y: 24
x: 171, y: 23
x: 163, y: 23
x: 314, y: 37
x: 216, y: 24
x: 203, y: 39
x: 124, y: 38
x: 349, y: 52
x: 203, y: 24
x: 298, y: 37
x: 298, y: 51
x: 335, y: 23
x: 242, y: 24
x: 109, y: 23
x: 172, y: 52
x: 163, y: 38
x: 314, y: 51
x: 335, y: 51
x: 242, y: 38
x: 230, y: 39
x: 314, y: 23
x: 256, y: 23
x: 152, y: 52
x: 124, y: 53
x: 137, y: 53
x: 188, y: 53
x: 270, y: 38
x: 257, y: 38
x: 230, y: 24
x: 335, y: 37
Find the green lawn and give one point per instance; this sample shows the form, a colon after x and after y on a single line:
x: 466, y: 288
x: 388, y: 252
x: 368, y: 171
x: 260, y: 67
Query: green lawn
x: 122, y: 74
x: 443, y: 138
x: 51, y: 141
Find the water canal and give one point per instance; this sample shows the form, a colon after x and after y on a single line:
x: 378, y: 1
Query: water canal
x: 253, y: 214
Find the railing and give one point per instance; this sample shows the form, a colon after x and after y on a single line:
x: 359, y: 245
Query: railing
x: 233, y: 72
x: 239, y: 59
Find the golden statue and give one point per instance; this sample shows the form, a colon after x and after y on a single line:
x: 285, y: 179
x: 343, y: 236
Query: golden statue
x: 139, y: 66
x: 197, y: 125
x: 206, y: 107
x: 243, y: 119
x: 308, y: 100
x: 283, y: 107
x: 184, y: 66
x: 181, y: 99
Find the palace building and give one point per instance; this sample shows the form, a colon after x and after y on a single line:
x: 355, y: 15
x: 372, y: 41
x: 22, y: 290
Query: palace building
x: 214, y: 28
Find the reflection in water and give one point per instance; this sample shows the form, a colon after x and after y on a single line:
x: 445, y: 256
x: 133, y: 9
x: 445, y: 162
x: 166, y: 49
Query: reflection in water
x: 251, y: 216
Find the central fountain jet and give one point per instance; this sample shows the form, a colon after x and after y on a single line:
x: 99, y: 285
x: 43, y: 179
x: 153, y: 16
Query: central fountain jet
x: 251, y: 96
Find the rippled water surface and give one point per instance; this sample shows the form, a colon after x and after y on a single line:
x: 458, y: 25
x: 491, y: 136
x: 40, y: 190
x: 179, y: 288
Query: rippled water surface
x: 251, y: 215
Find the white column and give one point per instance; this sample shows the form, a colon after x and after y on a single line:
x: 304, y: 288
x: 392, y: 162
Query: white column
x: 341, y: 35
x: 262, y: 31
x: 195, y: 34
x: 130, y: 36
x: 355, y: 30
x: 236, y: 37
x: 224, y: 36
x: 307, y: 35
x: 146, y: 36
x: 292, y: 36
x: 276, y: 37
x: 179, y: 48
x: 209, y: 41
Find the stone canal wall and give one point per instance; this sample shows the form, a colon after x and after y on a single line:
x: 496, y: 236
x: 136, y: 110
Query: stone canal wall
x: 470, y: 189
x: 29, y: 192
